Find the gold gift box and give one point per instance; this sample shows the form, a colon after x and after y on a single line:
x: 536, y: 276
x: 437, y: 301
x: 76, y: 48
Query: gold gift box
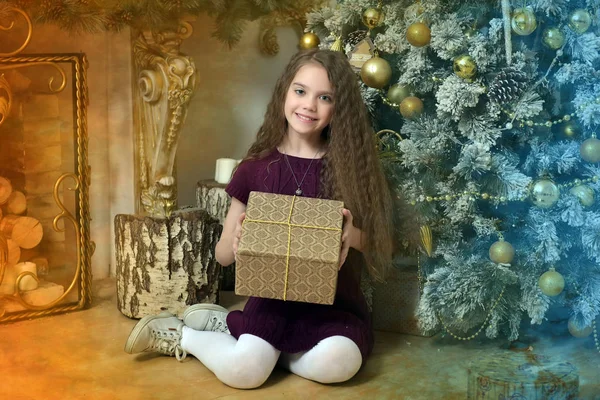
x: 290, y: 248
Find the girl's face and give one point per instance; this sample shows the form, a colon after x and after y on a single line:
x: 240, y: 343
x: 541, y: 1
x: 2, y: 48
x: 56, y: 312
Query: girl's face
x: 309, y: 102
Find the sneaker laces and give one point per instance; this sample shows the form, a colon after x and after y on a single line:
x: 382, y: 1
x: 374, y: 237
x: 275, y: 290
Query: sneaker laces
x: 168, y: 342
x: 218, y: 324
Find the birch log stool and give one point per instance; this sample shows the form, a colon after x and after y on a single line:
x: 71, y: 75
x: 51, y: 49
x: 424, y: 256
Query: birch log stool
x: 521, y: 375
x: 166, y: 264
x: 211, y: 196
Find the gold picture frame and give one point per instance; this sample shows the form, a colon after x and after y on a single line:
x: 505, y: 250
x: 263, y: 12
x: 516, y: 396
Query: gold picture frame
x: 77, y: 293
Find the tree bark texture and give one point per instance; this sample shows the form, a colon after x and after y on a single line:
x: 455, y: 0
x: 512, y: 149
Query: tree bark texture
x: 211, y: 196
x: 166, y: 264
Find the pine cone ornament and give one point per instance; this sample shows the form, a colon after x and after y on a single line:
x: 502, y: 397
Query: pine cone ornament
x: 508, y: 85
x: 355, y: 38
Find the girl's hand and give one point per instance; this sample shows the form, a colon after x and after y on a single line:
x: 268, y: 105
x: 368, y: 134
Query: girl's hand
x: 348, y: 230
x: 237, y: 233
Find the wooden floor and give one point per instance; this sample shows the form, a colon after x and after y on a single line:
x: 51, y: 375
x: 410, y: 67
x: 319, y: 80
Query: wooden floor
x: 80, y: 356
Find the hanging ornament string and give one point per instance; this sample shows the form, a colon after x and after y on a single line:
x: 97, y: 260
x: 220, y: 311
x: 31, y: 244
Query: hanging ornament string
x: 486, y: 196
x: 549, y: 123
x: 473, y: 195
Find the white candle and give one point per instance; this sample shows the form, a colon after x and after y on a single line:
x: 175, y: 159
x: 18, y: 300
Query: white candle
x: 224, y: 169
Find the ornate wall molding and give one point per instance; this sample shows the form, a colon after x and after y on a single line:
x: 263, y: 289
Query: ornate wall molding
x: 164, y: 82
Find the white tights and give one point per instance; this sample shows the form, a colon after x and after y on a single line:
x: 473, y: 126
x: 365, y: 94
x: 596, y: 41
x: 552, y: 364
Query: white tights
x: 247, y: 363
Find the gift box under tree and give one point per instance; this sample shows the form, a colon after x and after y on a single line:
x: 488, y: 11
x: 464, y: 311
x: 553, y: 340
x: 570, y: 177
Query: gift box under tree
x: 290, y: 248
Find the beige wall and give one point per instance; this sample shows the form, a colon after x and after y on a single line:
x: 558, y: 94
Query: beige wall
x: 228, y: 107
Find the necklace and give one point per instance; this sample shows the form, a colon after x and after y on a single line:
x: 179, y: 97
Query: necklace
x: 299, y: 191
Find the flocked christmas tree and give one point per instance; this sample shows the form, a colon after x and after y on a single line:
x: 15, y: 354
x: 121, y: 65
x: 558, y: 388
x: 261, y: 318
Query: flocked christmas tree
x: 496, y: 106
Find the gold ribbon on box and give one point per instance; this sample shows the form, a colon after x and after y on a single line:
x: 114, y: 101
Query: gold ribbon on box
x: 289, y: 241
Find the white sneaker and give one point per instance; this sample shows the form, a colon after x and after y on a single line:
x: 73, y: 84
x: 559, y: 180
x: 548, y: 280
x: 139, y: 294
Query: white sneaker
x: 157, y: 333
x: 206, y: 317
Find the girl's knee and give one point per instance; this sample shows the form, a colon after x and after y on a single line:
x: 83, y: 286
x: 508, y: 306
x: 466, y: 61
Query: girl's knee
x: 250, y: 364
x: 340, y: 360
x: 245, y: 375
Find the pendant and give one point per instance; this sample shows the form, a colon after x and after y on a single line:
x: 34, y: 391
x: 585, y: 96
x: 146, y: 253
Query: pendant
x: 298, y: 192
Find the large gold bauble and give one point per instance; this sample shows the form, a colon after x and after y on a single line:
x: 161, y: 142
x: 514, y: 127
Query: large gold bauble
x: 576, y: 332
x: 523, y: 21
x: 544, y: 193
x: 551, y: 283
x: 502, y: 252
x: 553, y: 38
x: 309, y: 41
x: 411, y: 107
x: 418, y: 34
x: 396, y: 93
x: 590, y: 150
x: 372, y: 17
x: 571, y: 129
x: 585, y: 194
x: 580, y: 21
x: 376, y: 73
x: 465, y: 67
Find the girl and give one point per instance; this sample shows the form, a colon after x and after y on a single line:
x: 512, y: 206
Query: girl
x: 316, y: 141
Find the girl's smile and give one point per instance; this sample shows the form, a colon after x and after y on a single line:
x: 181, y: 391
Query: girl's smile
x: 305, y: 118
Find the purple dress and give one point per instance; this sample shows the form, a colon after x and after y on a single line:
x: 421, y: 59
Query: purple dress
x: 289, y: 326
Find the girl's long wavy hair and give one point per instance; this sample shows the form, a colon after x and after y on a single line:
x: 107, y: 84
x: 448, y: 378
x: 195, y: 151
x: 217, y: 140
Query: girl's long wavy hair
x: 351, y: 169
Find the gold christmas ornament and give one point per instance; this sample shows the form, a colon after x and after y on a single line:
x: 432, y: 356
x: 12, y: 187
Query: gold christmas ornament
x: 411, y: 107
x: 585, y: 194
x: 337, y: 45
x: 470, y: 32
x: 551, y: 283
x: 376, y: 73
x: 418, y: 34
x: 397, y: 92
x: 309, y: 41
x: 373, y: 17
x: 577, y: 332
x: 571, y: 130
x: 502, y: 252
x: 553, y: 38
x: 590, y: 150
x: 427, y: 239
x: 523, y: 21
x: 580, y: 21
x: 465, y: 67
x: 544, y: 193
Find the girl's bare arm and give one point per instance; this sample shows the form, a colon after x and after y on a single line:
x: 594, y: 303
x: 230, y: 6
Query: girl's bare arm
x: 232, y: 230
